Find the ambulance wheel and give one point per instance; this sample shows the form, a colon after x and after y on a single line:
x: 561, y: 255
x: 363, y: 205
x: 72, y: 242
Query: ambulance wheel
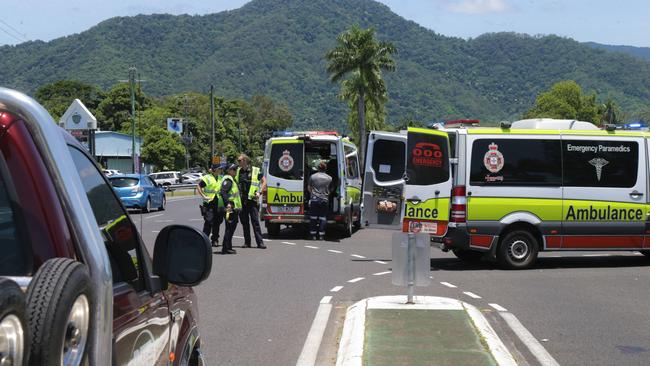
x: 14, y: 334
x: 468, y: 255
x: 517, y: 250
x: 273, y: 229
x: 347, y: 226
x: 58, y: 312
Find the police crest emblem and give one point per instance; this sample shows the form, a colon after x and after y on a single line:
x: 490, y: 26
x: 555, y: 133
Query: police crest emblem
x: 493, y: 159
x: 286, y: 161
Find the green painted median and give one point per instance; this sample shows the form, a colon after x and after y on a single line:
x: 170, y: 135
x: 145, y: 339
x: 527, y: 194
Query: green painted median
x: 422, y: 337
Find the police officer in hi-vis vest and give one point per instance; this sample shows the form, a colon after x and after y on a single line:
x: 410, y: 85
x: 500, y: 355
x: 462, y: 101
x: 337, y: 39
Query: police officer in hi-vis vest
x: 229, y: 193
x: 250, y: 181
x: 212, y: 208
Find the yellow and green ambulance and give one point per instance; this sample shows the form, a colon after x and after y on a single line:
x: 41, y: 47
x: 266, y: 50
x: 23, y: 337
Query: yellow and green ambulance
x: 290, y: 158
x: 530, y: 186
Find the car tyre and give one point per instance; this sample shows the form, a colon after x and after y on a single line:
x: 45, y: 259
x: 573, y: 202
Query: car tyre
x: 517, y: 250
x: 645, y: 252
x: 468, y: 255
x: 273, y: 229
x: 162, y: 205
x: 347, y: 226
x: 58, y: 312
x: 147, y: 205
x: 14, y: 332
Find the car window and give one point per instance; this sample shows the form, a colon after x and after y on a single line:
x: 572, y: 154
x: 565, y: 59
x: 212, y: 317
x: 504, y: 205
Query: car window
x: 123, y: 182
x: 15, y: 251
x: 600, y: 163
x: 120, y: 236
x: 516, y: 162
x: 352, y: 167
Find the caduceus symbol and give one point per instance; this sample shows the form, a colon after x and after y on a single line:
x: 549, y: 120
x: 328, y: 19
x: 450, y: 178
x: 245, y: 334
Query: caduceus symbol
x: 598, y: 163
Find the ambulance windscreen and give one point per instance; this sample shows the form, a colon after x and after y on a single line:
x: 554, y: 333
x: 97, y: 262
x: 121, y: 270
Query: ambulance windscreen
x: 286, y: 161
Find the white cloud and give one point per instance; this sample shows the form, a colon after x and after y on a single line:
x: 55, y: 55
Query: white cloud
x: 478, y: 6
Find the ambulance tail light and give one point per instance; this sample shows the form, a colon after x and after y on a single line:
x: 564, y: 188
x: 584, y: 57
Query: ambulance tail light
x: 458, y: 204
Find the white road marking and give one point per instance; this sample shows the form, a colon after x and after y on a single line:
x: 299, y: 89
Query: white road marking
x: 381, y: 273
x: 155, y: 231
x: 380, y: 262
x: 288, y: 243
x: 238, y: 237
x: 173, y: 199
x: 540, y: 353
x: 336, y: 288
x: 164, y: 220
x: 334, y: 251
x: 152, y: 216
x: 196, y: 220
x: 498, y: 307
x: 267, y: 240
x: 315, y: 336
x: 448, y: 284
x: 472, y: 295
x: 596, y: 255
x: 357, y: 256
x: 311, y: 247
x: 326, y: 300
x: 356, y: 279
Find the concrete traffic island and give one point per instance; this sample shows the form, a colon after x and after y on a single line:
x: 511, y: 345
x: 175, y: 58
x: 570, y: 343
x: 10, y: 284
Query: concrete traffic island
x: 385, y: 330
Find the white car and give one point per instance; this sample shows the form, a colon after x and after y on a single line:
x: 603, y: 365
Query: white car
x: 111, y: 172
x: 192, y: 178
x: 166, y: 178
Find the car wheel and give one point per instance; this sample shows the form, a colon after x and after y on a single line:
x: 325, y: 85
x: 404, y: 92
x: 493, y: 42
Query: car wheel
x: 468, y: 255
x: 273, y: 229
x: 517, y: 250
x: 58, y: 312
x: 162, y: 205
x: 357, y: 223
x: 645, y: 252
x: 147, y: 205
x: 14, y: 334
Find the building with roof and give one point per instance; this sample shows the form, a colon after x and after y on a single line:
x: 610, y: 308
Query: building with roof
x: 113, y: 151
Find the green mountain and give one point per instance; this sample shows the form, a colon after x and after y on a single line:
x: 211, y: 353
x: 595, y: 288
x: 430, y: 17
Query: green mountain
x: 640, y: 52
x: 277, y: 48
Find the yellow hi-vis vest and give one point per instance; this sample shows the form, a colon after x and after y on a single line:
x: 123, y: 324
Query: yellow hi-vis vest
x: 233, y: 194
x: 211, y: 186
x: 255, y: 182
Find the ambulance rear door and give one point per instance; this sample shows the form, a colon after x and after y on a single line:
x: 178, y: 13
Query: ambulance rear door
x: 383, y: 183
x: 428, y: 182
x: 285, y: 176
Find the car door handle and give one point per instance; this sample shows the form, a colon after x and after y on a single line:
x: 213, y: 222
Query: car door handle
x: 636, y: 194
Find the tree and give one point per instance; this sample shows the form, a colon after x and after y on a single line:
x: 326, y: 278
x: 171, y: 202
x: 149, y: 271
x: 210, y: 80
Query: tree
x: 162, y: 149
x: 57, y: 97
x: 358, y: 52
x: 115, y: 109
x: 565, y: 101
x: 375, y: 112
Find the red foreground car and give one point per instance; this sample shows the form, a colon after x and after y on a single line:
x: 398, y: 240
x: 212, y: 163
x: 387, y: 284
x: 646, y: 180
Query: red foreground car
x: 77, y: 284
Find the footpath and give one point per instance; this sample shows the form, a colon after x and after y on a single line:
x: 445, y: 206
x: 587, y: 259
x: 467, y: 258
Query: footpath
x: 386, y: 331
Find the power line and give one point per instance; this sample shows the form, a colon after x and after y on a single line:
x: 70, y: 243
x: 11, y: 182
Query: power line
x: 11, y: 35
x: 22, y: 35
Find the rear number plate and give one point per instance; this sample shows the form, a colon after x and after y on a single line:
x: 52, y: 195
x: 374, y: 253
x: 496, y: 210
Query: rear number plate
x: 423, y: 227
x: 285, y: 209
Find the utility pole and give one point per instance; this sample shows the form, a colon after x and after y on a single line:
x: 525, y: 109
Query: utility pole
x: 239, y: 130
x: 212, y: 120
x: 132, y: 71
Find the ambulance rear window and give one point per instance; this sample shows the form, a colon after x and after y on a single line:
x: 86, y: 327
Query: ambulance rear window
x: 286, y: 161
x: 388, y: 160
x: 428, y: 159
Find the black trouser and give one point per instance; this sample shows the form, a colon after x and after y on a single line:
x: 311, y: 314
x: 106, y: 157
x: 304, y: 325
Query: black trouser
x: 317, y: 217
x: 212, y: 219
x: 231, y: 225
x: 250, y: 214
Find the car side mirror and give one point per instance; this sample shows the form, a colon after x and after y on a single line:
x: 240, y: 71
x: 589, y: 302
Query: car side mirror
x: 182, y: 255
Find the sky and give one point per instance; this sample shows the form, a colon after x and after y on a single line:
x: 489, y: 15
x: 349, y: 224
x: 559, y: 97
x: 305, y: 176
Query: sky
x: 622, y: 22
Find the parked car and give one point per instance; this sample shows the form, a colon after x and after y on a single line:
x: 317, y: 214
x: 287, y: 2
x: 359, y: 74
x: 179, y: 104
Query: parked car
x: 192, y: 178
x: 111, y: 172
x: 166, y: 179
x: 76, y: 280
x: 139, y: 191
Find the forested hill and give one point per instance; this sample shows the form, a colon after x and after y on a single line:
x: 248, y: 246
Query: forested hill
x: 640, y: 52
x: 277, y: 48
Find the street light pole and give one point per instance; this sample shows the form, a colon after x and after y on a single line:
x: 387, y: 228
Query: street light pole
x: 132, y: 71
x: 212, y: 120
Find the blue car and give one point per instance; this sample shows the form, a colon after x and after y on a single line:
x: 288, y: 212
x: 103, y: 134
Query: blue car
x: 139, y: 191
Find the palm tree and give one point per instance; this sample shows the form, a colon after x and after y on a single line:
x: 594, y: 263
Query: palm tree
x: 358, y: 52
